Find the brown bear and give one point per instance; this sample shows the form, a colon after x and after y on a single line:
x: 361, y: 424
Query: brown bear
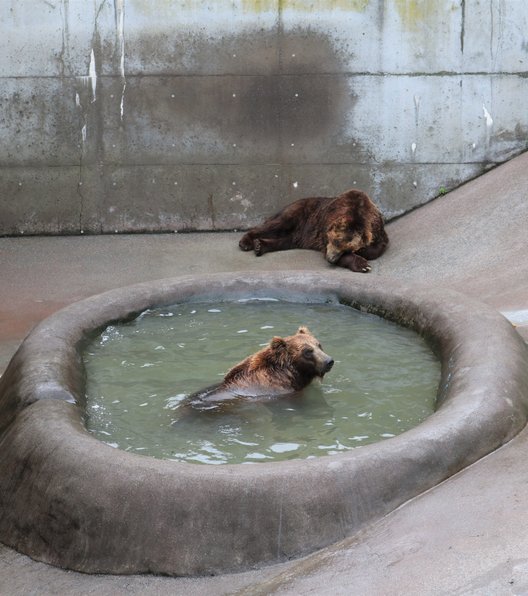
x: 285, y: 366
x: 347, y: 229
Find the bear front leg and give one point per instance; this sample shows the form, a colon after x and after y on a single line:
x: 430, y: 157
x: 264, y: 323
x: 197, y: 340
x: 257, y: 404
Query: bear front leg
x: 264, y: 245
x: 374, y: 250
x: 278, y: 227
x: 354, y: 262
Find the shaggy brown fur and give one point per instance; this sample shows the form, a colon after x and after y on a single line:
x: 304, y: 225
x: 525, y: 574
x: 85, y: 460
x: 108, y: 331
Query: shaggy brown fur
x: 347, y: 229
x: 283, y: 367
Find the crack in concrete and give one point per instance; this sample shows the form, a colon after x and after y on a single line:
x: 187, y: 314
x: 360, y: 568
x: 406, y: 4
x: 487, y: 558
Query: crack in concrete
x: 210, y: 204
x: 80, y: 194
x: 462, y: 25
x: 64, y: 53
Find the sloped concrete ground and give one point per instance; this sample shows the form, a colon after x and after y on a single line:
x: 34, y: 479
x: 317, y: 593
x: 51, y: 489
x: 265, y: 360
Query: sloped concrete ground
x: 466, y: 536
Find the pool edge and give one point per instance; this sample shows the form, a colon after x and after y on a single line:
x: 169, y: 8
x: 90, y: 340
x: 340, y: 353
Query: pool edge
x: 134, y: 514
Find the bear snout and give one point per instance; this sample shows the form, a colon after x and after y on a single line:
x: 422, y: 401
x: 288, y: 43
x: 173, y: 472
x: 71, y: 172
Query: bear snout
x: 324, y: 366
x: 328, y: 365
x: 333, y: 254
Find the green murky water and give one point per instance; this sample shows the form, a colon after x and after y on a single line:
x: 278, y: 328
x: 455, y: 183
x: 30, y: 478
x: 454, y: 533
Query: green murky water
x: 384, y: 382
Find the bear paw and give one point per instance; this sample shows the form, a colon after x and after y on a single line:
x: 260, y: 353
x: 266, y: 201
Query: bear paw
x: 246, y: 242
x: 354, y: 263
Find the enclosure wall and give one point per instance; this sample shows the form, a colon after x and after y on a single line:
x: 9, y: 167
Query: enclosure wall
x: 156, y: 115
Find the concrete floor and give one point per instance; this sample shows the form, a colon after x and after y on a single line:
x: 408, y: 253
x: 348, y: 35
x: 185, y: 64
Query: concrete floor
x: 467, y: 536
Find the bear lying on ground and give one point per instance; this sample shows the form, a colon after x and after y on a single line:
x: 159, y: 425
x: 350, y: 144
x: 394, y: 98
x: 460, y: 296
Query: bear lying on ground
x: 285, y: 366
x: 347, y: 229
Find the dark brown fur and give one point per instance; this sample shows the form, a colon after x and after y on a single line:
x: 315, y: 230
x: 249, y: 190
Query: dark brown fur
x: 347, y: 229
x: 283, y: 367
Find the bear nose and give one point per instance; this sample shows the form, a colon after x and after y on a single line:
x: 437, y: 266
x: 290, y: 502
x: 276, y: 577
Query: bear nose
x: 333, y: 255
x: 328, y: 364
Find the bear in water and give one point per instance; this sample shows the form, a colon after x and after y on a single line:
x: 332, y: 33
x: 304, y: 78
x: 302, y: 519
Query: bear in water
x: 347, y: 229
x: 287, y: 365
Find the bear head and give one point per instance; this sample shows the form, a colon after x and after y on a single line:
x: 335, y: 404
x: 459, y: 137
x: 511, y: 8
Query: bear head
x: 344, y: 237
x: 303, y: 353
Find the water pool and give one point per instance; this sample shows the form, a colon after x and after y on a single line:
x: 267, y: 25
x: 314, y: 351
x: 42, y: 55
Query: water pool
x: 384, y: 381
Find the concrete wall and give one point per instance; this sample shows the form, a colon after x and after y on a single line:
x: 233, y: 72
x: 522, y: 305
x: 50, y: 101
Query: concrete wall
x: 131, y: 115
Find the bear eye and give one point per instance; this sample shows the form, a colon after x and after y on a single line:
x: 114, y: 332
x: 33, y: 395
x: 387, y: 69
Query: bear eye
x: 308, y: 351
x: 320, y: 346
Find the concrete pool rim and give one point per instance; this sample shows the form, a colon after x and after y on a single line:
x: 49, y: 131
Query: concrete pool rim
x: 72, y: 501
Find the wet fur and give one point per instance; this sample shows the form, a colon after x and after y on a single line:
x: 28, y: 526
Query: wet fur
x: 287, y: 365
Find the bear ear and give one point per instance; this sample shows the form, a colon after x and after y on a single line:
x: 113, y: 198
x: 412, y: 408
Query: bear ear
x: 303, y: 329
x: 277, y: 343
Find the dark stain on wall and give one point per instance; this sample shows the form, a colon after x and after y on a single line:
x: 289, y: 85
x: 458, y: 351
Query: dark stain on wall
x: 250, y: 117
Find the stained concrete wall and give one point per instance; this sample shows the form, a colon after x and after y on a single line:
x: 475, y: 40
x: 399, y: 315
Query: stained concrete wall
x: 132, y: 115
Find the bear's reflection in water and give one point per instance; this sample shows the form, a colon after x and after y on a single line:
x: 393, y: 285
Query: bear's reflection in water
x: 247, y: 430
x: 234, y: 410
